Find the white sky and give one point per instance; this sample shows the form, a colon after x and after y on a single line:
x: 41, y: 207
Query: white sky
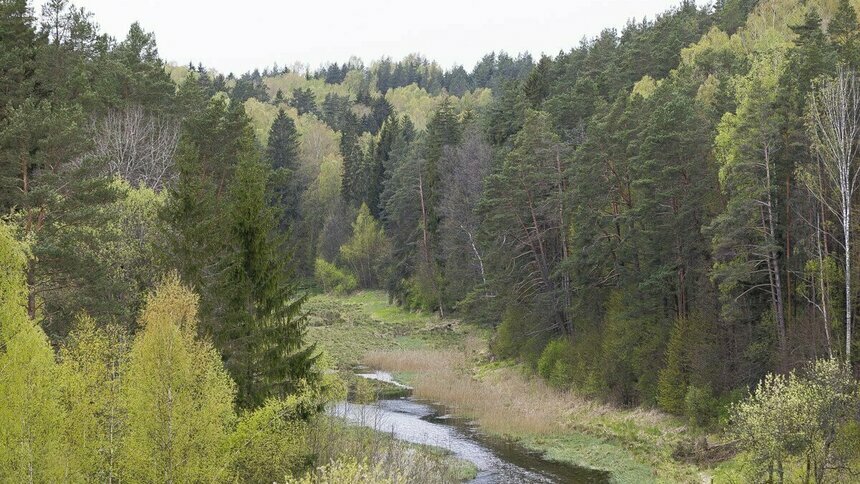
x: 240, y: 35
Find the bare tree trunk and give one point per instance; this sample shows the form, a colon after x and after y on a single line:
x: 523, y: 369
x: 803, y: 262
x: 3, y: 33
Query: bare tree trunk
x: 477, y: 253
x: 822, y: 285
x: 776, y: 281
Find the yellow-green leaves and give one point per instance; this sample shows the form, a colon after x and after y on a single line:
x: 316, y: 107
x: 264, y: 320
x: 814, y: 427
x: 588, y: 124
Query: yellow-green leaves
x: 367, y: 248
x: 797, y: 417
x: 92, y: 366
x: 179, y: 398
x: 31, y: 449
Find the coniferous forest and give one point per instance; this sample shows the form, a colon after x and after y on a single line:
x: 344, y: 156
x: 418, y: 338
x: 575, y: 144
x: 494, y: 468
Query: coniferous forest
x: 659, y: 223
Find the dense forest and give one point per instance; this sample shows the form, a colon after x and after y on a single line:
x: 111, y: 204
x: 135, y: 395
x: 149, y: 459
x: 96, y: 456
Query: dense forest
x: 661, y: 216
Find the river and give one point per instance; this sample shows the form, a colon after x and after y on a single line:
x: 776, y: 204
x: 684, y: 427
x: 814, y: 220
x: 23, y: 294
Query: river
x: 499, y: 461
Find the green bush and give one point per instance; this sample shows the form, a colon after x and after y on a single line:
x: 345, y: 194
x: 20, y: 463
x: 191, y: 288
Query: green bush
x: 348, y: 471
x: 333, y: 279
x: 795, y: 420
x: 511, y: 333
x: 555, y: 364
x: 672, y: 382
x: 270, y: 442
x: 701, y: 406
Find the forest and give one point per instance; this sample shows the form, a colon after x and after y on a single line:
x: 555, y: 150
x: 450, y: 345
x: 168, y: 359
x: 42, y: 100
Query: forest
x: 660, y: 219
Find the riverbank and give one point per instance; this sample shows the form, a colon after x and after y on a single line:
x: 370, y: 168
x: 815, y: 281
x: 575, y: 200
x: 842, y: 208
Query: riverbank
x: 447, y: 362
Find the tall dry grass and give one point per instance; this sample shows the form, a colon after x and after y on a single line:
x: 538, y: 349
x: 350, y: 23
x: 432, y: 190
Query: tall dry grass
x: 504, y: 400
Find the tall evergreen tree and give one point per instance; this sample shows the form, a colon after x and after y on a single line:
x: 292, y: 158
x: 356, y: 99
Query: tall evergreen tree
x: 262, y: 335
x: 283, y: 154
x: 844, y: 32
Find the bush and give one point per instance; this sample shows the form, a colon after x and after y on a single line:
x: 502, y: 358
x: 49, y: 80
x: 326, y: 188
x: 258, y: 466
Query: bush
x: 701, y: 406
x: 797, y: 419
x: 270, y: 442
x: 511, y: 333
x: 672, y: 390
x: 554, y: 364
x: 333, y: 279
x: 348, y: 471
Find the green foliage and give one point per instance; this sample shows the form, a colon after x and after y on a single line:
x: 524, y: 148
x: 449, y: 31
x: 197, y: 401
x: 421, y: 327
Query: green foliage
x: 31, y: 418
x: 367, y: 250
x: 555, y: 364
x: 672, y: 383
x: 270, y: 441
x: 262, y: 334
x: 792, y: 419
x: 93, y: 364
x: 701, y: 407
x: 179, y: 397
x: 349, y: 471
x: 333, y: 279
x: 510, y: 333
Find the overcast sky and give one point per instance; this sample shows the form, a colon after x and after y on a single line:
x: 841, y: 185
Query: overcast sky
x: 236, y: 36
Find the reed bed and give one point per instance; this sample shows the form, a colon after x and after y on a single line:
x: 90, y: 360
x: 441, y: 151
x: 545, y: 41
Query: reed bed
x: 504, y: 400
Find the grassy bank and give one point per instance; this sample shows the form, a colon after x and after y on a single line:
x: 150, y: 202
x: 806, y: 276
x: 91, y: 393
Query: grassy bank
x: 349, y: 327
x: 448, y: 363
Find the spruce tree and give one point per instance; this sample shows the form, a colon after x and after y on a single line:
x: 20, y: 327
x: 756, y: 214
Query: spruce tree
x: 350, y: 149
x: 262, y: 334
x: 283, y: 154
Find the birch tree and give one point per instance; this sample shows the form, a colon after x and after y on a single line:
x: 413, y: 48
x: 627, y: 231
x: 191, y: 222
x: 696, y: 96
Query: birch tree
x: 137, y: 145
x: 179, y: 397
x: 835, y: 126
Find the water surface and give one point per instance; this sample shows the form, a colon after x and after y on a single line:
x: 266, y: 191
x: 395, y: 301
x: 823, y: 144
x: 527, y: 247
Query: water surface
x: 499, y: 461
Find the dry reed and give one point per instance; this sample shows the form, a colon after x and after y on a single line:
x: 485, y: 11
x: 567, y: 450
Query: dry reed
x: 502, y: 401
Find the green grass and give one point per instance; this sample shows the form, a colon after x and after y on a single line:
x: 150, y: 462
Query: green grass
x: 592, y: 452
x: 348, y: 327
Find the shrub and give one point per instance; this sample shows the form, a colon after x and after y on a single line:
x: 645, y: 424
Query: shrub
x: 701, y: 406
x: 333, y: 279
x: 511, y: 333
x: 270, y: 442
x: 672, y: 388
x: 555, y: 364
x: 792, y: 418
x: 348, y: 471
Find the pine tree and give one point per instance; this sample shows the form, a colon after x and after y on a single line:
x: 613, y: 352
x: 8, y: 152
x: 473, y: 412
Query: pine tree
x: 18, y: 49
x: 844, y: 32
x: 524, y: 203
x: 745, y: 234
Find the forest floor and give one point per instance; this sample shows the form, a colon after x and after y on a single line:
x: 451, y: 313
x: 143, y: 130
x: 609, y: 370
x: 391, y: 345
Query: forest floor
x: 448, y: 362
